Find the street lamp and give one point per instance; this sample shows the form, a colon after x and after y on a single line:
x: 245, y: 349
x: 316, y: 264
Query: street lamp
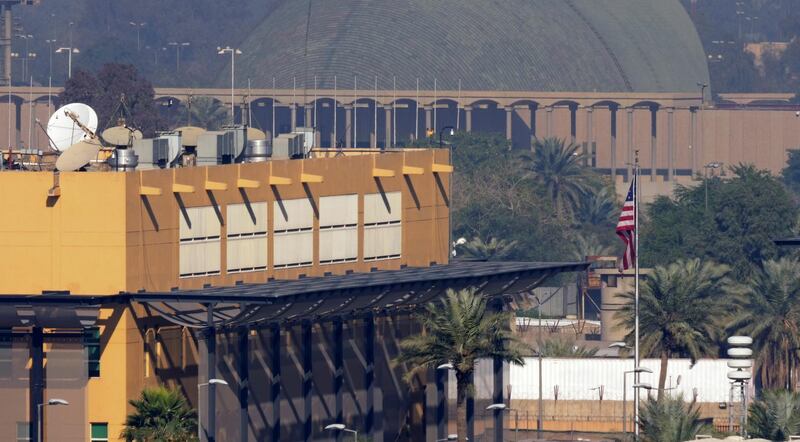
x: 27, y: 38
x: 138, y: 27
x: 499, y: 408
x: 69, y: 52
x: 446, y: 366
x: 452, y: 132
x: 41, y: 418
x: 341, y: 427
x: 625, y: 394
x: 702, y: 87
x: 234, y: 53
x: 712, y: 165
x: 212, y: 381
x: 449, y: 437
x: 178, y: 46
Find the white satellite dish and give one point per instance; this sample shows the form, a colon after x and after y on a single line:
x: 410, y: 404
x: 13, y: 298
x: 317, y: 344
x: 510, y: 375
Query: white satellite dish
x: 64, y: 132
x: 78, y: 155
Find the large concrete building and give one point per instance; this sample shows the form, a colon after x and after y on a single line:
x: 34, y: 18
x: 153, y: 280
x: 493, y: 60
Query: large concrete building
x: 289, y: 279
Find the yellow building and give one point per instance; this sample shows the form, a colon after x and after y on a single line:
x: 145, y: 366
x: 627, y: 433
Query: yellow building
x: 288, y: 279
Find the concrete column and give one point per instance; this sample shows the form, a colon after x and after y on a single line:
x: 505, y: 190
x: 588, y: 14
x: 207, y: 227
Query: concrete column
x: 670, y: 144
x: 36, y: 381
x: 293, y: 112
x: 573, y: 123
x: 589, y: 125
x: 630, y: 142
x: 532, y: 122
x: 308, y: 376
x: 338, y: 373
x: 468, y: 118
x: 441, y: 403
x: 388, y: 112
x: 692, y: 135
x: 243, y: 369
x: 509, y: 119
x: 428, y: 116
x: 308, y: 120
x: 348, y: 129
x: 207, y: 344
x: 275, y: 386
x: 549, y: 121
x: 613, y: 110
x: 653, y: 141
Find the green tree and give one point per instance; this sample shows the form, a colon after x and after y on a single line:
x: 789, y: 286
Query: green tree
x: 557, y: 168
x: 116, y: 91
x: 745, y: 214
x: 459, y: 331
x: 588, y: 245
x: 558, y: 347
x: 492, y: 250
x: 599, y: 208
x: 770, y: 314
x: 791, y: 173
x: 669, y: 419
x: 775, y: 416
x: 160, y: 415
x: 674, y: 302
x: 205, y: 112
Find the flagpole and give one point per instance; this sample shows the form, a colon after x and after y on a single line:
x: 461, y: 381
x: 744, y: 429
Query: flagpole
x: 636, y: 296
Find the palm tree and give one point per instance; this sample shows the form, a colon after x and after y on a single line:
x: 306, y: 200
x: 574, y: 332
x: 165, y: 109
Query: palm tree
x: 556, y: 167
x: 206, y: 112
x: 492, y: 250
x: 599, y: 208
x: 565, y: 348
x: 459, y: 331
x: 669, y: 419
x: 674, y: 306
x: 589, y: 245
x: 776, y: 416
x: 770, y: 314
x: 161, y: 415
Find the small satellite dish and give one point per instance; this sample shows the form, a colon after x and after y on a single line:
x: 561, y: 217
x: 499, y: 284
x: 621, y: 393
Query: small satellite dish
x: 255, y: 134
x: 189, y: 135
x: 121, y: 135
x: 77, y: 156
x: 64, y: 132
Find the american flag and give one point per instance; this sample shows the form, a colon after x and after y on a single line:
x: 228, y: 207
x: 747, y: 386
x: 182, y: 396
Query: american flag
x: 626, y: 228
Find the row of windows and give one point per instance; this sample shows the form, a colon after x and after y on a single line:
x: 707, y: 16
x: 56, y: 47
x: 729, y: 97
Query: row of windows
x: 200, y: 233
x: 98, y: 432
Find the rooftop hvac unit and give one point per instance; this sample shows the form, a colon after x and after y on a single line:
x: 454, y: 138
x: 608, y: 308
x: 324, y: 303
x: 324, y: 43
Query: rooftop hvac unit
x: 153, y: 153
x: 238, y: 142
x: 210, y: 148
x: 308, y: 137
x: 288, y: 146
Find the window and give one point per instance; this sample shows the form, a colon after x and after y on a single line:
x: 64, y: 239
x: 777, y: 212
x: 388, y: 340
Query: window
x: 382, y: 226
x: 338, y: 229
x: 294, y: 236
x: 247, y: 237
x: 611, y: 281
x: 91, y: 341
x: 199, y: 242
x: 99, y: 432
x: 23, y: 431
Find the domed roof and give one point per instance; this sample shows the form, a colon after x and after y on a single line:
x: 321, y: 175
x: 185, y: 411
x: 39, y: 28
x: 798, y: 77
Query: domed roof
x: 504, y: 45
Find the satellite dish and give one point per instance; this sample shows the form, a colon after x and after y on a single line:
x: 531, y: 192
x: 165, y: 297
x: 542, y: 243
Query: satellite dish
x: 255, y: 134
x: 121, y: 136
x: 64, y: 132
x: 189, y: 135
x: 77, y: 156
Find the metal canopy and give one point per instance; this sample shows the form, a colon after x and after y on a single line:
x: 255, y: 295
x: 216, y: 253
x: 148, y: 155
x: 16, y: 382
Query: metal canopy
x: 352, y: 294
x: 317, y: 298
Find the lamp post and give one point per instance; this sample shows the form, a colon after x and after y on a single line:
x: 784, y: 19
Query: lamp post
x: 27, y: 38
x: 449, y: 437
x: 234, y: 53
x: 540, y: 415
x: 178, y: 46
x: 212, y: 381
x: 69, y: 52
x: 625, y: 386
x: 341, y: 427
x: 40, y: 424
x: 499, y: 408
x: 712, y: 165
x: 138, y: 27
x: 452, y: 132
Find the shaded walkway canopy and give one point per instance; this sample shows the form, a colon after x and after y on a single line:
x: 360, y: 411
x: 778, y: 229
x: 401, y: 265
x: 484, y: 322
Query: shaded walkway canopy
x: 319, y: 298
